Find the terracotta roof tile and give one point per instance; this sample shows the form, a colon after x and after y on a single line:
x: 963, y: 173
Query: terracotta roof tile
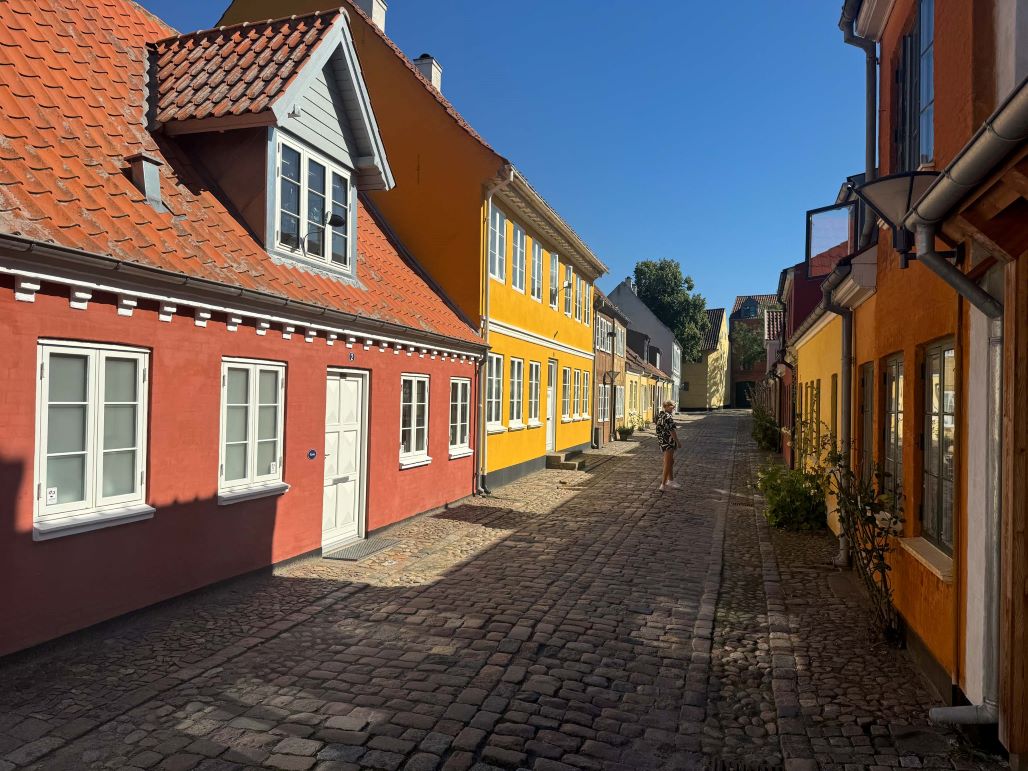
x: 773, y: 323
x: 637, y: 361
x: 235, y: 70
x: 763, y: 300
x: 715, y: 318
x: 84, y: 63
x: 824, y: 263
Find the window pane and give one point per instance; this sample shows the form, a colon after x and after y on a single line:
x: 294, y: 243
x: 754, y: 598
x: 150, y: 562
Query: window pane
x: 238, y: 386
x: 119, y: 427
x: 405, y: 440
x: 289, y: 227
x: 407, y: 391
x: 66, y: 428
x: 267, y: 387
x: 419, y: 441
x: 340, y: 248
x: 406, y: 416
x: 68, y: 474
x: 267, y: 422
x: 119, y: 380
x: 235, y: 461
x: 119, y: 473
x: 422, y: 388
x: 67, y: 378
x: 290, y: 163
x: 267, y: 453
x: 235, y: 424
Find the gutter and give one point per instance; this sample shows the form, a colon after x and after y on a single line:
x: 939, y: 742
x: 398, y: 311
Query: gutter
x: 91, y: 260
x: 1000, y: 135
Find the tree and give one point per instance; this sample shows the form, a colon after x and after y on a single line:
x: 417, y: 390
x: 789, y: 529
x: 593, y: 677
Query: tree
x: 748, y: 344
x: 665, y: 291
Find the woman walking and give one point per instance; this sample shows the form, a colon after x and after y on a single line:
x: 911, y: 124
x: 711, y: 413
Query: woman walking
x: 667, y: 438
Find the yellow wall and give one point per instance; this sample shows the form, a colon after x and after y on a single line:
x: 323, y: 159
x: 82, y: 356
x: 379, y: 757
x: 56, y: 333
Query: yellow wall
x: 818, y: 358
x: 707, y: 378
x: 642, y: 404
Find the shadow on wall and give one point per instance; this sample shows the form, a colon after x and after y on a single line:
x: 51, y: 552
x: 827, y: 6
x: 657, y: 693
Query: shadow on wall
x: 65, y: 584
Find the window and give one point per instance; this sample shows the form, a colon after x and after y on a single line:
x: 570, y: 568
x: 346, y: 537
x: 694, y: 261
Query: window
x: 517, y: 380
x: 537, y: 271
x: 833, y: 418
x: 867, y: 402
x: 587, y: 303
x: 498, y: 244
x: 554, y: 279
x: 494, y: 390
x: 517, y: 263
x: 565, y: 392
x: 586, y: 394
x: 913, y: 130
x: 892, y: 465
x: 603, y: 403
x: 569, y: 288
x: 92, y: 431
x: 413, y: 418
x: 534, y: 369
x: 619, y: 401
x: 251, y: 423
x: 619, y: 340
x: 578, y: 298
x: 602, y: 328
x: 577, y: 393
x: 310, y: 191
x: 460, y: 401
x: 939, y: 431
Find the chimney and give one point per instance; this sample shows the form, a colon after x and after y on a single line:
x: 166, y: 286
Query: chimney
x: 429, y: 66
x: 375, y: 10
x: 146, y: 176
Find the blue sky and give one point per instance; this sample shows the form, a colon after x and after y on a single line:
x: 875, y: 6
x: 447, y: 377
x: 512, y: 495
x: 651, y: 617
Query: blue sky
x: 671, y: 128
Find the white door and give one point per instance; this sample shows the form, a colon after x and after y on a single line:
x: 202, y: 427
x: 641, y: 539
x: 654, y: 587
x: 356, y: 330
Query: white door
x: 344, y: 459
x: 551, y: 406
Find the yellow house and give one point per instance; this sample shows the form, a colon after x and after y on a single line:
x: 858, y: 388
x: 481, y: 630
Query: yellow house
x: 638, y: 387
x: 705, y: 382
x: 509, y: 263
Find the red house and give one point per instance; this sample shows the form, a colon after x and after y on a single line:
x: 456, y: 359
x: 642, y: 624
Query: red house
x: 217, y: 356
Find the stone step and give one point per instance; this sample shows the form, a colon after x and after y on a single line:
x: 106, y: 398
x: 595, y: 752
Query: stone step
x: 566, y: 461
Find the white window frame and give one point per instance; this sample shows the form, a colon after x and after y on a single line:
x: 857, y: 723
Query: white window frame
x: 554, y: 279
x: 602, y: 327
x: 587, y: 303
x: 619, y: 340
x: 494, y: 391
x: 578, y: 298
x: 498, y: 245
x: 586, y: 394
x: 416, y: 455
x: 516, y: 402
x: 462, y: 408
x: 536, y: 279
x: 569, y: 288
x: 619, y: 401
x: 252, y: 482
x: 565, y: 393
x: 576, y: 394
x: 94, y: 510
x: 534, y: 376
x: 517, y: 260
x: 300, y: 250
x: 603, y: 403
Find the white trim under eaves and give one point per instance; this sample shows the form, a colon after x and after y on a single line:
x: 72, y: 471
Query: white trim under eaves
x: 872, y: 17
x: 531, y: 337
x: 822, y: 322
x: 180, y: 302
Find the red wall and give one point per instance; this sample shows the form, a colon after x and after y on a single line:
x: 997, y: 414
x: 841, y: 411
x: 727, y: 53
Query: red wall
x: 57, y: 586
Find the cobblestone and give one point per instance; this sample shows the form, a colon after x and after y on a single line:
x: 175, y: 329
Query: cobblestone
x: 571, y: 620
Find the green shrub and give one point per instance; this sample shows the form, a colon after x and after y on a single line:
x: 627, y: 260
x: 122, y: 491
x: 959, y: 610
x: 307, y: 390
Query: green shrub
x: 765, y: 430
x: 794, y: 498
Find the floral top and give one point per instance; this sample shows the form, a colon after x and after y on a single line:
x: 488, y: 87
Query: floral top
x: 665, y: 430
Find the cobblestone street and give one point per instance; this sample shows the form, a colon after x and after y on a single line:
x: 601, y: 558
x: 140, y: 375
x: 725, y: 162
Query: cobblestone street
x: 573, y: 620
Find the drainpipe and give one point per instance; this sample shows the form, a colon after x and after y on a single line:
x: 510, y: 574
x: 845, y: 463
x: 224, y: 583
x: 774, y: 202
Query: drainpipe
x: 847, y: 23
x: 508, y: 177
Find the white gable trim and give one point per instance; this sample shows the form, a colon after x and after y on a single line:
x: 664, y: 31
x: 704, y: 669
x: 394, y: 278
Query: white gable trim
x: 373, y: 170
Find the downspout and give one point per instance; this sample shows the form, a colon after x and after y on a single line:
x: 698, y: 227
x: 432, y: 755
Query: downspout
x: 508, y: 178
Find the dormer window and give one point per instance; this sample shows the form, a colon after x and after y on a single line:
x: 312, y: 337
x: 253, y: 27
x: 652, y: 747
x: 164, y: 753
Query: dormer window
x: 313, y: 207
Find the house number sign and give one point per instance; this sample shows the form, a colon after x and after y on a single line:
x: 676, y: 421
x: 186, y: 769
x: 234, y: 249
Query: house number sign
x: 51, y: 495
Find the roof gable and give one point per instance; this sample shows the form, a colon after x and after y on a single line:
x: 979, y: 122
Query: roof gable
x: 262, y: 75
x: 762, y: 301
x: 73, y: 89
x: 715, y: 320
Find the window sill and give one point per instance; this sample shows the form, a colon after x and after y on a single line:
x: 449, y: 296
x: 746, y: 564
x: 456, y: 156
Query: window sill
x: 460, y: 452
x: 93, y: 520
x: 931, y: 556
x: 495, y: 428
x: 534, y: 424
x: 266, y: 490
x: 515, y: 426
x: 422, y: 460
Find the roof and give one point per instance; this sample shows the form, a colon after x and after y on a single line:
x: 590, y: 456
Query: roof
x: 236, y: 70
x: 72, y: 78
x: 528, y: 201
x: 635, y: 360
x: 715, y: 319
x: 763, y: 300
x: 605, y: 305
x: 773, y: 324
